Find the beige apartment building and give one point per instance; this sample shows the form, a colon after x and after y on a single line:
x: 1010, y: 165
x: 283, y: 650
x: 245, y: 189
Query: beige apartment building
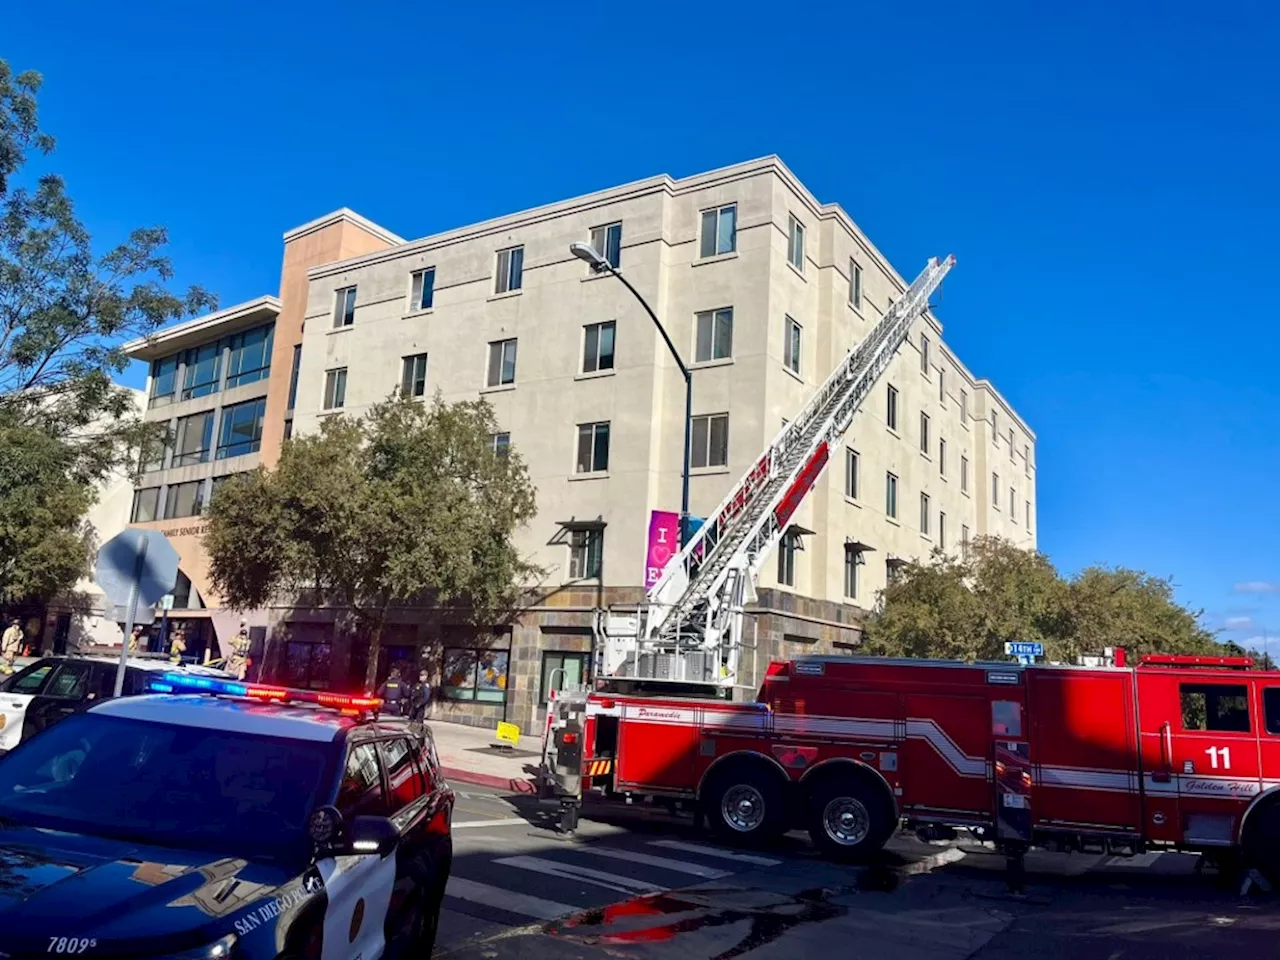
x: 762, y: 288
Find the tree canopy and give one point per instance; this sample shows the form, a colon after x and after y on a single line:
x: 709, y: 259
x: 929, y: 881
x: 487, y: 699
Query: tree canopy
x: 967, y: 608
x: 408, y: 504
x: 65, y: 312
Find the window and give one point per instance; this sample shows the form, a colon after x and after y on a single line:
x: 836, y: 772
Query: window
x: 787, y: 558
x: 422, y: 289
x: 403, y: 775
x: 475, y: 673
x: 1028, y: 514
x: 855, y: 285
x: 607, y: 241
x: 995, y: 428
x: 241, y: 429
x: 288, y: 429
x: 204, y: 365
x: 853, y: 559
x: 924, y: 354
x: 924, y: 514
x: 1026, y: 459
x: 942, y: 529
x: 1006, y: 718
x: 791, y: 347
x: 194, y: 440
x: 714, y: 330
x: 964, y: 541
x: 1220, y: 707
x: 924, y: 433
x: 942, y: 386
x: 293, y: 376
x: 795, y: 244
x: 719, y: 230
x: 250, y: 356
x: 184, y: 500
x: 335, y: 388
x: 851, y: 474
x: 995, y: 490
x: 413, y: 378
x: 593, y: 447
x: 1271, y: 706
x: 510, y: 270
x: 501, y: 444
x: 361, y: 793
x: 344, y: 307
x: 891, y: 412
x: 964, y: 407
x: 164, y: 381
x: 151, y: 456
x: 942, y: 457
x: 1013, y: 503
x: 146, y: 504
x: 562, y: 671
x: 964, y: 474
x: 891, y: 495
x: 586, y: 545
x: 308, y: 665
x: 69, y: 682
x: 502, y: 363
x: 1011, y: 444
x: 185, y: 596
x: 597, y: 347
x: 709, y: 445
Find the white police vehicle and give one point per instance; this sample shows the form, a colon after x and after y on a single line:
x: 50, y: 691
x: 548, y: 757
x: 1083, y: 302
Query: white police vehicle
x: 217, y: 820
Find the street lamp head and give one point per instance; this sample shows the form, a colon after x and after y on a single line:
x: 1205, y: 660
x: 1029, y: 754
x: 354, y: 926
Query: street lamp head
x: 584, y: 251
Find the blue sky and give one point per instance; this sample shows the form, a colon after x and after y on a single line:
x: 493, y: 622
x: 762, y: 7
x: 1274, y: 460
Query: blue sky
x: 1107, y: 179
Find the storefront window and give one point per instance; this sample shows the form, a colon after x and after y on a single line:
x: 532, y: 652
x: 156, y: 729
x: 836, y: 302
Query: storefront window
x: 562, y: 671
x: 307, y: 665
x: 475, y: 673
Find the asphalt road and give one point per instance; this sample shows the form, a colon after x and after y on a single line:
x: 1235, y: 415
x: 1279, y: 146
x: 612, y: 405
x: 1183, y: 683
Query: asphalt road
x: 642, y: 884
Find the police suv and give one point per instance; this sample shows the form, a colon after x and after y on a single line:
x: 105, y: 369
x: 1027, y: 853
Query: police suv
x: 216, y: 820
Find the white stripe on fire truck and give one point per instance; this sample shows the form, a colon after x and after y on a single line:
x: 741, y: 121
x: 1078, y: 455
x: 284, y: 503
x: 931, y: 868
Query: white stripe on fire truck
x: 1123, y: 781
x: 1195, y: 785
x: 957, y: 759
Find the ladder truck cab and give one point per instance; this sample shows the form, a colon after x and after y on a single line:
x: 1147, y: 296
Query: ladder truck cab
x: 1175, y: 752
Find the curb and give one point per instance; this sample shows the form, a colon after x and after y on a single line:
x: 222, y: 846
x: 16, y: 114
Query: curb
x: 514, y: 784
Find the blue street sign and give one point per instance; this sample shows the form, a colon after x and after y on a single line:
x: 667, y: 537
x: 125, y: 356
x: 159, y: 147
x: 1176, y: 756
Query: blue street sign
x: 1026, y: 652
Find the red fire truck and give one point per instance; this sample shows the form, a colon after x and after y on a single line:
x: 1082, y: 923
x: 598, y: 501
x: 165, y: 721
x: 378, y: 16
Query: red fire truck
x: 1177, y: 752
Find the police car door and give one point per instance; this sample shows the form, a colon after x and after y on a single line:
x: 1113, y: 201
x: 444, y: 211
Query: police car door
x: 20, y: 691
x: 358, y: 888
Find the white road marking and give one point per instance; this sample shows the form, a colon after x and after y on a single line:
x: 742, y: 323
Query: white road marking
x: 715, y: 852
x: 507, y: 900
x: 1138, y: 861
x: 504, y: 822
x: 569, y: 871
x: 680, y: 866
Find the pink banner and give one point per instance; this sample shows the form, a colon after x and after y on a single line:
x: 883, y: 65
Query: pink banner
x: 664, y: 543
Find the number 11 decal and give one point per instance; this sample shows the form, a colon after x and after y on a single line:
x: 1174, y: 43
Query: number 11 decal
x: 1223, y: 752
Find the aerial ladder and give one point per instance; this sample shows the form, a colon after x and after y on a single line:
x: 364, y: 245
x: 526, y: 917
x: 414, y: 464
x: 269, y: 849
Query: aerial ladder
x: 688, y: 634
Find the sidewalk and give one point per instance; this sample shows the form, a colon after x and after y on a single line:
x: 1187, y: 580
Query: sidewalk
x: 467, y: 757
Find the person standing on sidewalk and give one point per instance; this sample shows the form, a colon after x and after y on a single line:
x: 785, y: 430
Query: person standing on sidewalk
x: 394, y: 693
x: 10, y: 644
x: 420, y: 699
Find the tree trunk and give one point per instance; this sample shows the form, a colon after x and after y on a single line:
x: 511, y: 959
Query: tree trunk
x: 375, y: 646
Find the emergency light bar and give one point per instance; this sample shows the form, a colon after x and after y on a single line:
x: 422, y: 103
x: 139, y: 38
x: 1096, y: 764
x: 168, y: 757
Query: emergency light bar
x: 185, y: 683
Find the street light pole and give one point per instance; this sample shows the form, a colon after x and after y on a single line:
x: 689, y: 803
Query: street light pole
x: 599, y: 264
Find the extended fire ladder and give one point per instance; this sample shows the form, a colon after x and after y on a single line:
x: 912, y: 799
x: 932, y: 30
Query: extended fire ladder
x: 689, y: 630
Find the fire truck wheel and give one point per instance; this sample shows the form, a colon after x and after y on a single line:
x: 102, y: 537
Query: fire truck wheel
x: 745, y: 804
x: 848, y: 817
x: 1264, y: 841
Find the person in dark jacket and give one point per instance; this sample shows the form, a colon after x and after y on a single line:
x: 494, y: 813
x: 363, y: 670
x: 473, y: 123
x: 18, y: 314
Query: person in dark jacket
x: 394, y: 693
x: 421, y: 698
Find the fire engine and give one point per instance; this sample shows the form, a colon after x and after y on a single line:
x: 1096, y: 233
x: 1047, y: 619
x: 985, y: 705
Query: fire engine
x: 1171, y: 752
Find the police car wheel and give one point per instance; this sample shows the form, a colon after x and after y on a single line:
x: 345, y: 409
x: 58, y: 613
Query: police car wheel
x: 745, y: 805
x: 426, y: 922
x: 848, y: 819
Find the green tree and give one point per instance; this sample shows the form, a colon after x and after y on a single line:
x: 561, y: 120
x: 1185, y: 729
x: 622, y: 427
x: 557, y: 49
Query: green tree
x: 967, y: 609
x: 64, y: 313
x: 406, y: 505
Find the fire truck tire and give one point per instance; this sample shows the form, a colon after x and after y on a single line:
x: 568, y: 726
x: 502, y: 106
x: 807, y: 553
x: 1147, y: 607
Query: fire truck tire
x: 1263, y: 844
x: 745, y: 803
x: 849, y: 818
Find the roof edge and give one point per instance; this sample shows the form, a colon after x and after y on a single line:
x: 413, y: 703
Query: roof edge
x: 344, y: 215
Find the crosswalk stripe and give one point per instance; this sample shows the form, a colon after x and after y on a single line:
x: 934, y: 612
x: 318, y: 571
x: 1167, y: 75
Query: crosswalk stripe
x: 715, y: 852
x: 502, y: 822
x: 680, y: 866
x: 569, y: 871
x: 508, y: 900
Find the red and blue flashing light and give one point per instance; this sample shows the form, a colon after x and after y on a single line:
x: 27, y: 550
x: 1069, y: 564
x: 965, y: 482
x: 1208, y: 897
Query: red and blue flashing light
x: 189, y: 683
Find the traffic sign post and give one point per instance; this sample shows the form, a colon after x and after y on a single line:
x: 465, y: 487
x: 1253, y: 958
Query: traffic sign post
x: 1025, y: 652
x: 135, y: 568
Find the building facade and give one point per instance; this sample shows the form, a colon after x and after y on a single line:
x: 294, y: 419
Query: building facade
x: 763, y: 289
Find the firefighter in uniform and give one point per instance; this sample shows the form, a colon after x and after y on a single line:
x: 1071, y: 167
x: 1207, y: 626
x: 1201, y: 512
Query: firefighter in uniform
x: 10, y: 645
x: 238, y: 662
x: 394, y: 693
x: 177, y: 646
x: 135, y: 640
